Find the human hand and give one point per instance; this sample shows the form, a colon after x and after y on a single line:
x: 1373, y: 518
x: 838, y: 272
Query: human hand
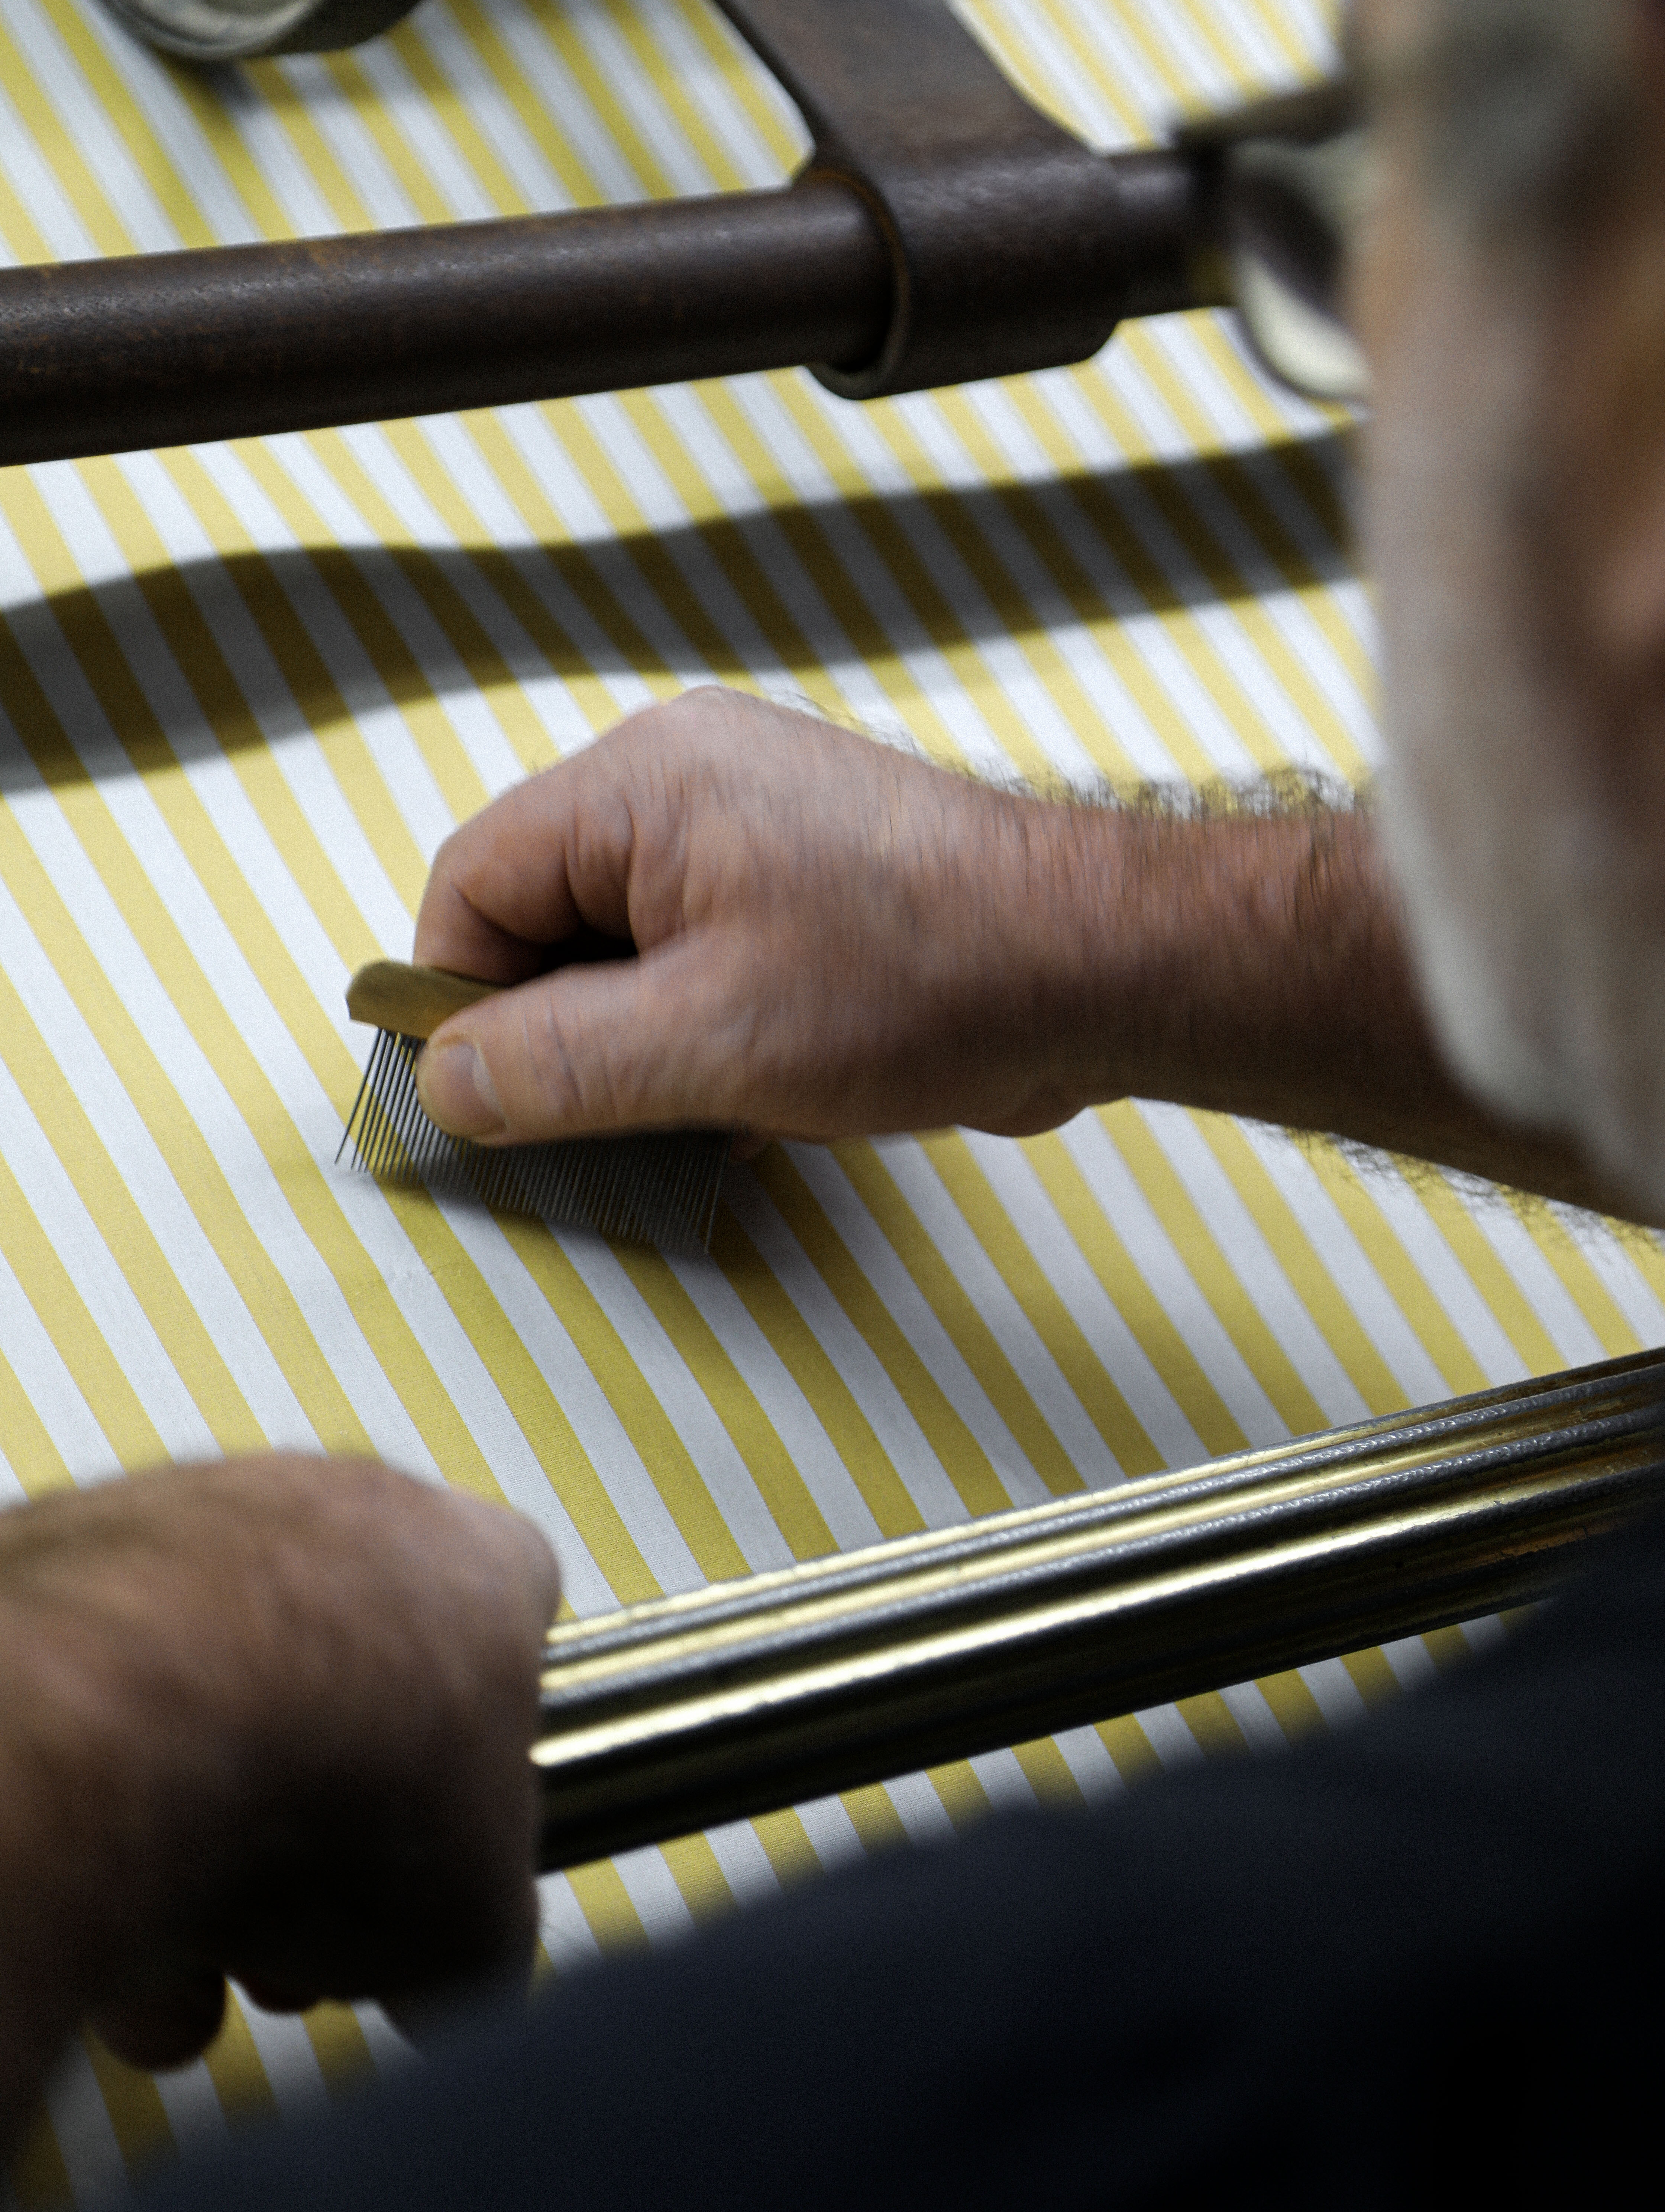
x: 834, y: 938
x: 269, y: 1720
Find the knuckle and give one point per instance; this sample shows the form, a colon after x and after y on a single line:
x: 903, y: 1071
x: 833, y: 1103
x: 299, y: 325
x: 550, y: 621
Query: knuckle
x: 556, y: 1071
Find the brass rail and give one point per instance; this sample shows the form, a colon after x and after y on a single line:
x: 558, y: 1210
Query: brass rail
x: 746, y: 1696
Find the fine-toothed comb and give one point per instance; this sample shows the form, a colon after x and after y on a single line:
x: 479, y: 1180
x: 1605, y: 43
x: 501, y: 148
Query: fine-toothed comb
x: 653, y: 1189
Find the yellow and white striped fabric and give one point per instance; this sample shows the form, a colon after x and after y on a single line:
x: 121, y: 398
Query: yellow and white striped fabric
x: 246, y: 689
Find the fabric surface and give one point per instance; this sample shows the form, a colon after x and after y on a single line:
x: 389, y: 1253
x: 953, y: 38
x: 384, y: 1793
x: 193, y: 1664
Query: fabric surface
x: 1414, y: 1961
x: 246, y: 689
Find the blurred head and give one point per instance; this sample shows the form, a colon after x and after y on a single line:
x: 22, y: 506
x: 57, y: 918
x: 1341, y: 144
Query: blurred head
x: 1508, y: 288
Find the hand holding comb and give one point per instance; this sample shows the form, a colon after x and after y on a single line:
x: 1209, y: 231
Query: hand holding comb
x: 652, y: 1188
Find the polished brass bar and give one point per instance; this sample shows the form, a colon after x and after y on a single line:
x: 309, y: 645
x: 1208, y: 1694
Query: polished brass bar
x: 747, y: 1696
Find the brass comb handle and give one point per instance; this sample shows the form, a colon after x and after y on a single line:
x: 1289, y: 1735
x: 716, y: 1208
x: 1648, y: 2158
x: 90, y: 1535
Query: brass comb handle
x: 411, y: 1001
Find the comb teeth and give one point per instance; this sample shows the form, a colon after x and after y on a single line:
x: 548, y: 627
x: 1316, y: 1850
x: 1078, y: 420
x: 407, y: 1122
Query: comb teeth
x: 645, y: 1189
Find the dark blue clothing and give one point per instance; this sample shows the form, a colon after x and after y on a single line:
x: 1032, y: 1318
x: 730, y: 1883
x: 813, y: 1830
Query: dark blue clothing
x: 1416, y: 1959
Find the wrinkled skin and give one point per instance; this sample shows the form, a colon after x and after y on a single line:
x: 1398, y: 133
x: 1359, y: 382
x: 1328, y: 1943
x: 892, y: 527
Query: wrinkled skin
x: 269, y: 1719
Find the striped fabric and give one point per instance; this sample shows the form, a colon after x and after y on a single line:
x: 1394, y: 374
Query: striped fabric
x: 246, y: 689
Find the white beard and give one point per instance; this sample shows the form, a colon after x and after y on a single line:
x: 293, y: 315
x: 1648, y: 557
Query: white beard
x: 1533, y: 865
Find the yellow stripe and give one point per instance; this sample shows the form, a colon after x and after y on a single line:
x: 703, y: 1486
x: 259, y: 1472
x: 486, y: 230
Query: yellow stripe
x: 1578, y: 1278
x: 1129, y: 1748
x: 922, y: 595
x: 644, y: 548
x: 964, y: 1326
x: 290, y: 110
x: 1096, y: 495
x: 471, y: 139
x: 1050, y: 1318
x: 56, y: 144
x: 389, y: 1337
x: 961, y: 526
x: 1290, y: 457
x: 22, y: 240
x: 787, y: 1845
x: 1310, y: 1279
x: 703, y: 1885
x: 202, y: 661
x: 1147, y: 1322
x: 123, y: 112
x: 409, y: 689
x: 235, y: 2068
x: 963, y: 1460
x: 301, y: 663
x: 480, y: 30
x: 1164, y: 486
x: 577, y: 571
x: 606, y: 1903
x: 223, y: 134
x: 94, y: 1368
x: 381, y: 127
x: 806, y: 533
x: 1509, y: 1304
x: 829, y: 1397
x: 708, y: 149
x: 29, y: 1452
x: 122, y: 1226
x: 729, y: 548
x: 753, y: 1435
x: 963, y: 1797
x: 135, y: 2109
x: 1294, y: 1708
x: 1373, y: 1677
x: 1210, y: 1720
x: 630, y: 136
x: 338, y: 2045
x: 1048, y: 1773
x: 662, y: 1452
x: 1409, y: 1288
x: 741, y: 75
x: 394, y: 660
x: 186, y: 1152
x: 998, y: 34
x: 1447, y: 1647
x: 529, y: 1396
x: 1210, y: 1271
x: 88, y: 635
x: 425, y: 570
x: 874, y: 1818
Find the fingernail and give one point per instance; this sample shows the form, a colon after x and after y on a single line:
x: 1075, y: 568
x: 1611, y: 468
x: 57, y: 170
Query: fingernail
x: 455, y: 1087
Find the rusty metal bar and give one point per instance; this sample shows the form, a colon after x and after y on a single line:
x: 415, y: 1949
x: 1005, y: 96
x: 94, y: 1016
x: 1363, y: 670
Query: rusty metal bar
x: 165, y: 348
x: 158, y: 350
x: 747, y: 1696
x: 942, y: 230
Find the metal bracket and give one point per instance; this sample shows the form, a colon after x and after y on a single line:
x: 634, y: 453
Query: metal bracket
x: 995, y: 218
x: 1005, y: 234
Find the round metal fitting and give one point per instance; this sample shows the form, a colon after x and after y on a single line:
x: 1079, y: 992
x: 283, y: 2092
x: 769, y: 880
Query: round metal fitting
x: 237, y: 30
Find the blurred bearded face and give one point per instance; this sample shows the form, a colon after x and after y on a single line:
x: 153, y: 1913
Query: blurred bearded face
x: 1509, y: 290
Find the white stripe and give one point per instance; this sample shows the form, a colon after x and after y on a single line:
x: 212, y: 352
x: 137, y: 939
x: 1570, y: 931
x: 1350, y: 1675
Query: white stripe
x: 858, y: 1368
x: 686, y: 1406
x: 1032, y: 1213
x: 1170, y: 1280
x: 976, y: 1275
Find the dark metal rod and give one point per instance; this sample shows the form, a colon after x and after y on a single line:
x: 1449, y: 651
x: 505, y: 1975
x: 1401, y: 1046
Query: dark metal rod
x: 142, y: 351
x: 165, y: 348
x: 747, y: 1696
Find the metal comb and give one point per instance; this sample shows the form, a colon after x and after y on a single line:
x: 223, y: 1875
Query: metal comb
x: 659, y: 1188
